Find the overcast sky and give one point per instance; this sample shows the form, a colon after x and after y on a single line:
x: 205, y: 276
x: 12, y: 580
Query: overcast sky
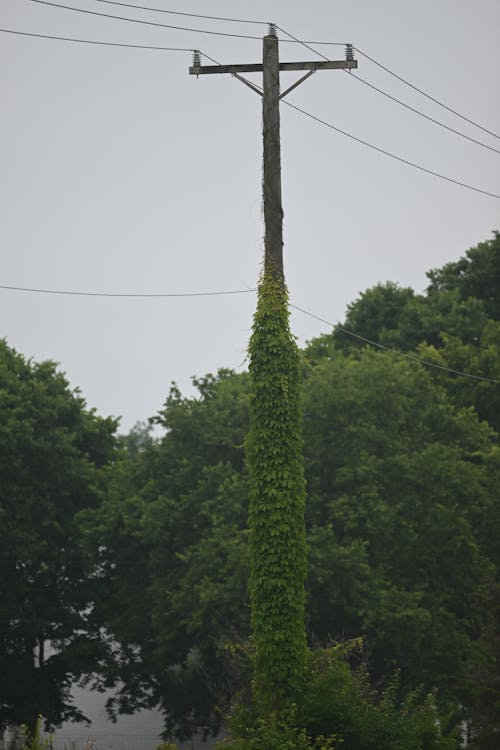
x: 122, y: 173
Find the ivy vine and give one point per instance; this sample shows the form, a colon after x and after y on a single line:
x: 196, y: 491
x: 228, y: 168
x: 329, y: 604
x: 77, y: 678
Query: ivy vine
x: 277, y: 502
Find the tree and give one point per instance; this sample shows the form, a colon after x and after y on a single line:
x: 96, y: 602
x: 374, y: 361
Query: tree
x: 54, y: 455
x: 460, y: 300
x: 398, y: 480
x: 401, y: 533
x: 172, y: 555
x: 402, y: 519
x: 476, y: 275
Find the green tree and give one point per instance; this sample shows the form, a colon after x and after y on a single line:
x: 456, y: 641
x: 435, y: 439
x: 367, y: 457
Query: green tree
x: 402, y: 518
x: 401, y: 528
x: 172, y: 554
x: 398, y: 479
x: 54, y: 455
x: 460, y: 300
x: 476, y: 275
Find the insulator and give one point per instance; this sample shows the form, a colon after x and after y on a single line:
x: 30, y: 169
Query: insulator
x: 272, y: 30
x: 349, y: 52
x: 196, y: 58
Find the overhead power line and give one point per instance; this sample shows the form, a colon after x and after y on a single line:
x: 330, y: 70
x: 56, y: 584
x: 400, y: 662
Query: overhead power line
x: 137, y: 295
x: 170, y: 26
x: 182, y: 13
x: 120, y: 294
x: 422, y: 114
x: 388, y: 153
x: 93, y: 41
x: 142, y: 21
x: 377, y: 148
x: 428, y: 96
x: 396, y: 352
x: 393, y: 98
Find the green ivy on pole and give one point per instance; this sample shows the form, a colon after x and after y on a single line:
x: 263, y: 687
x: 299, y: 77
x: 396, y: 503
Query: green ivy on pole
x: 277, y: 502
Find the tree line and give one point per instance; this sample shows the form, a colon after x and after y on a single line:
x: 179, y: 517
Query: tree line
x: 129, y: 555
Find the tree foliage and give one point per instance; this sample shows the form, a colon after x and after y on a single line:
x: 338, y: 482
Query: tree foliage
x: 400, y: 529
x: 54, y: 453
x: 402, y: 464
x: 172, y: 549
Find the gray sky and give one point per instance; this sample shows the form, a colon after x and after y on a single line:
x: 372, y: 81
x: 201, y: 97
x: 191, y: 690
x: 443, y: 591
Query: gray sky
x: 122, y: 173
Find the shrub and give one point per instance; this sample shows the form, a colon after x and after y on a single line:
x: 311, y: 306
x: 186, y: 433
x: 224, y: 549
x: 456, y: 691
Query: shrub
x: 340, y: 710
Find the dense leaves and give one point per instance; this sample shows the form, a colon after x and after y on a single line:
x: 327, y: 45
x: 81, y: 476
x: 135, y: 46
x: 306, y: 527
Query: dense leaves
x: 173, y: 557
x: 401, y: 545
x: 277, y: 502
x: 53, y: 459
x: 402, y: 467
x: 395, y: 481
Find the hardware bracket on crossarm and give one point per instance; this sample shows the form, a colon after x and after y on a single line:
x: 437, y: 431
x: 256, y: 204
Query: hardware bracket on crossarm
x: 297, y: 83
x: 248, y: 83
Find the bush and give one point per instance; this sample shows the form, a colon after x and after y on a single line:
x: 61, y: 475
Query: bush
x: 340, y: 710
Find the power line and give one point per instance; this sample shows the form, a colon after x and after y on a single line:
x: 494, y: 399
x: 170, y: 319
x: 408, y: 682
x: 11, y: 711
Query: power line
x: 212, y: 18
x: 92, y: 41
x: 244, y: 291
x: 428, y: 96
x: 422, y: 114
x: 372, y: 146
x: 393, y: 98
x: 388, y: 153
x: 180, y: 13
x: 142, y: 21
x: 395, y: 351
x: 119, y: 294
x: 170, y: 26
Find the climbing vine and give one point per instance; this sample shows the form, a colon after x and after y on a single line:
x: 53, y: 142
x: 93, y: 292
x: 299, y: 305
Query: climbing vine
x: 277, y: 502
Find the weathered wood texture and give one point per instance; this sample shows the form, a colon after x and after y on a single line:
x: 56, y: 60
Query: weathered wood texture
x: 199, y: 70
x: 271, y: 184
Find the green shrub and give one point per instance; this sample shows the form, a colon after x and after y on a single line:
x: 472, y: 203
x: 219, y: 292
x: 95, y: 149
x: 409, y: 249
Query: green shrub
x: 340, y: 710
x: 340, y: 700
x: 276, y: 731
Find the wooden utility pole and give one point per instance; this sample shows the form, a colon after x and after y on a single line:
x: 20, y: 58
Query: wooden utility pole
x: 271, y: 184
x: 271, y: 181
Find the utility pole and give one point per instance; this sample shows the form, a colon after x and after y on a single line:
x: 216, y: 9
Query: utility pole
x: 277, y: 542
x: 270, y: 92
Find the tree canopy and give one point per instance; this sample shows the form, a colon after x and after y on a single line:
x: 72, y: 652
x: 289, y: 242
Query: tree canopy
x: 54, y: 454
x: 148, y: 538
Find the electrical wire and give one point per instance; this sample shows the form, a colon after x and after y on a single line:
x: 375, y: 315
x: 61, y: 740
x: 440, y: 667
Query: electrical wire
x: 422, y: 114
x: 142, y: 21
x: 118, y: 294
x: 370, y: 145
x: 180, y: 13
x: 393, y: 98
x: 169, y: 26
x: 381, y: 150
x: 388, y: 153
x: 396, y: 352
x: 246, y: 291
x: 428, y: 96
x: 92, y: 41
